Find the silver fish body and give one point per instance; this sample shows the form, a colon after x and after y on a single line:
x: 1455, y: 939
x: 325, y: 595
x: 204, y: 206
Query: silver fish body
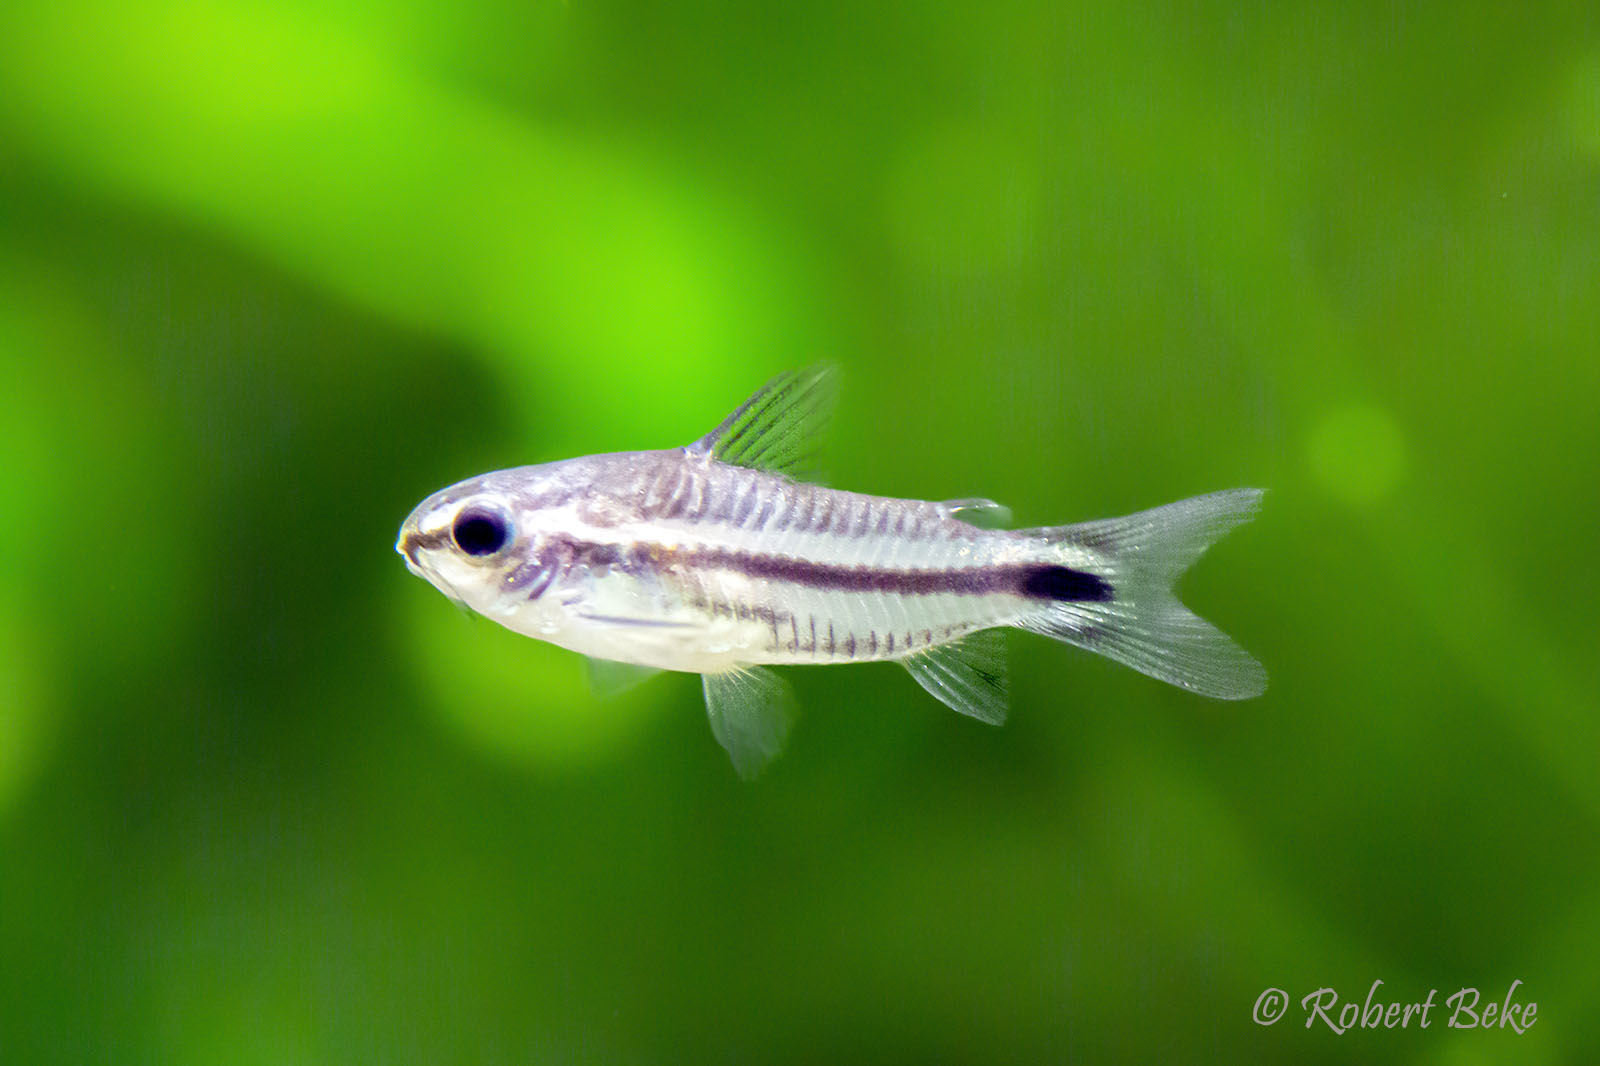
x: 712, y: 559
x: 677, y: 561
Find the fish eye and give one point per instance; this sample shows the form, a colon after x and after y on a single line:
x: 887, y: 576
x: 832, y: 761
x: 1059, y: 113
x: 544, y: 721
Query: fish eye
x: 480, y: 530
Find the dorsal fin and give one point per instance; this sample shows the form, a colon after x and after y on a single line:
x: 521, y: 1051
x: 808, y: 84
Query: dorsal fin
x: 778, y: 429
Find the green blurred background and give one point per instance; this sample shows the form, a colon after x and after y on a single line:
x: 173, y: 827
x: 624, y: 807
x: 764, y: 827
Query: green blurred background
x: 271, y: 273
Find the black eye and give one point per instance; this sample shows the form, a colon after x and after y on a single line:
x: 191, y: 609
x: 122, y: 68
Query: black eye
x: 478, y: 531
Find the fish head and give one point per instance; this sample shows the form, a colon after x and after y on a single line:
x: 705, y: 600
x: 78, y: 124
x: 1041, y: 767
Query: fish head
x: 481, y: 540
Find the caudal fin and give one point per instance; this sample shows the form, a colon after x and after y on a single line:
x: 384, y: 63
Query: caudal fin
x: 1141, y: 623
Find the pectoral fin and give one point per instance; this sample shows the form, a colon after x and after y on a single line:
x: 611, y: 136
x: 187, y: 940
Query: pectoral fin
x: 751, y: 710
x: 968, y: 676
x: 609, y: 678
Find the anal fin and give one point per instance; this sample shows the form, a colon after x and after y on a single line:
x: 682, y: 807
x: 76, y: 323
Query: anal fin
x: 751, y: 709
x: 968, y: 675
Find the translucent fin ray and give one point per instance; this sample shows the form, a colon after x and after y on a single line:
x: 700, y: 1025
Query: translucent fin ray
x: 968, y: 676
x: 633, y: 621
x: 1166, y: 540
x: 1143, y: 625
x: 985, y: 514
x: 751, y: 711
x: 778, y: 429
x: 608, y: 678
x: 1164, y: 640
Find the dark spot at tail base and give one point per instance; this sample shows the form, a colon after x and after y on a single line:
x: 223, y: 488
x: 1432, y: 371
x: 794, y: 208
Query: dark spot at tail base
x: 1065, y: 583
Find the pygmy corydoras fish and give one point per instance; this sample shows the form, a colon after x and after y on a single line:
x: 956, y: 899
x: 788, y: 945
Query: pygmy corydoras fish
x: 715, y: 559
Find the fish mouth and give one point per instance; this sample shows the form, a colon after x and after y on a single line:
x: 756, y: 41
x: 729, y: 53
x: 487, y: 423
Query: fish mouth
x: 407, y: 544
x: 411, y: 541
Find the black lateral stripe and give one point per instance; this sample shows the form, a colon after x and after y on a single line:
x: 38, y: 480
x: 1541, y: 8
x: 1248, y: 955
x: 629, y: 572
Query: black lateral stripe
x: 1034, y: 580
x: 1043, y: 581
x: 1065, y: 583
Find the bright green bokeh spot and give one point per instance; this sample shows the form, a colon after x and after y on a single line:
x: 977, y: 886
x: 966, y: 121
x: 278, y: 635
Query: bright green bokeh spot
x: 317, y: 148
x: 1358, y: 454
x: 519, y: 699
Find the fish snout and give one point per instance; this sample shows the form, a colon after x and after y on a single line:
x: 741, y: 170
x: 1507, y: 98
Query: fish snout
x: 411, y: 543
x: 406, y: 544
x: 414, y: 542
